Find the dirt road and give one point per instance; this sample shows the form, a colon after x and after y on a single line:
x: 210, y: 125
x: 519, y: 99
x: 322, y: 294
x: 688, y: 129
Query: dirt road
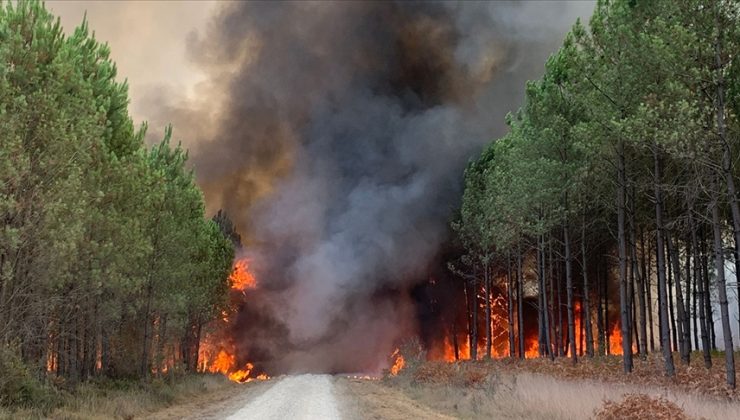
x: 306, y: 397
x: 303, y: 397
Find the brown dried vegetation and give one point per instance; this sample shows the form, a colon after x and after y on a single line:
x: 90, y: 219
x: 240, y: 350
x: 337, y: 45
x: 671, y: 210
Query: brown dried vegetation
x: 638, y: 407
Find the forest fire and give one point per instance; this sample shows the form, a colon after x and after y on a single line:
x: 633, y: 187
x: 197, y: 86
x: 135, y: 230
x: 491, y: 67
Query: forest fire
x: 241, y: 278
x: 398, y: 362
x: 451, y: 348
x: 218, y: 355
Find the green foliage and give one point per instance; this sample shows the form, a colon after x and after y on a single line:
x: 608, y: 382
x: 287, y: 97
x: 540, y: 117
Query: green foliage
x: 642, y: 79
x: 105, y: 251
x: 18, y: 387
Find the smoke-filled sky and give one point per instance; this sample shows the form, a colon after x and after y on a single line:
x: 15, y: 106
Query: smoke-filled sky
x: 335, y: 135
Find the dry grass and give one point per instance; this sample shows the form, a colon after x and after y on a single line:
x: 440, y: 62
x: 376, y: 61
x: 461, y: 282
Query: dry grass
x: 541, y: 389
x: 124, y: 400
x: 640, y: 406
x: 537, y: 396
x: 693, y: 379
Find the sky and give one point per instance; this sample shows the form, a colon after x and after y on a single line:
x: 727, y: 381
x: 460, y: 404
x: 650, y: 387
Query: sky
x: 147, y: 40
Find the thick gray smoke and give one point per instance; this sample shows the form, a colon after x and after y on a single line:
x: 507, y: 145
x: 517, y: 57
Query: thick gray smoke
x: 336, y: 134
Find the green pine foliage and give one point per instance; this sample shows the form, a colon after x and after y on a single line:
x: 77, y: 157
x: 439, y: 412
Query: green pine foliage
x: 106, y: 257
x: 644, y: 82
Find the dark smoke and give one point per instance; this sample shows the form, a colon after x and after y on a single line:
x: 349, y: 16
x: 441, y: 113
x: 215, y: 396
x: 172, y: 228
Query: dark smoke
x: 336, y: 134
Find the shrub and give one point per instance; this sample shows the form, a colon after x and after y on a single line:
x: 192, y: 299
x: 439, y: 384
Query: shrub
x: 20, y: 388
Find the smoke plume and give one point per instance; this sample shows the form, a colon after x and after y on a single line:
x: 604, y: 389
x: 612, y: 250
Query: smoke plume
x: 335, y: 134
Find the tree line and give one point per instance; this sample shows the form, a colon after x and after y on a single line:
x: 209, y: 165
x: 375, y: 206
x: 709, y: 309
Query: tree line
x: 107, y: 263
x: 621, y: 164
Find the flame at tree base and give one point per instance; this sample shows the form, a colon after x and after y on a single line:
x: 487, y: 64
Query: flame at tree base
x: 225, y: 362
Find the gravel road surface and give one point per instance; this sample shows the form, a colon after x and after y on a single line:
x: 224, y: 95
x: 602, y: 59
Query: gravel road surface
x: 302, y: 397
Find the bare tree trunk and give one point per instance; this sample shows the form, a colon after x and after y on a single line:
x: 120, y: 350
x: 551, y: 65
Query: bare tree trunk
x: 669, y: 267
x: 586, y: 307
x: 683, y: 339
x: 553, y: 330
x: 719, y: 266
x: 600, y: 312
x: 161, y: 340
x: 641, y: 316
x: 694, y: 296
x: 474, y: 320
x: 569, y: 291
x: 545, y: 347
x: 510, y: 305
x: 455, y: 345
x: 707, y: 290
x: 687, y: 296
x: 665, y: 339
x: 558, y: 306
x: 700, y: 294
x: 487, y: 279
x: 623, y: 290
x: 607, y: 327
x: 687, y: 304
x: 647, y: 269
x: 541, y: 311
x: 520, y: 300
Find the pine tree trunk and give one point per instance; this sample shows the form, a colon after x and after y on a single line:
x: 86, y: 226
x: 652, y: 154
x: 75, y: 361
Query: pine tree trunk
x: 647, y: 269
x: 569, y: 293
x: 520, y: 300
x: 694, y: 298
x: 600, y: 324
x: 623, y: 296
x: 665, y: 338
x: 541, y: 311
x: 707, y: 290
x: 474, y: 320
x: 487, y: 274
x: 687, y: 296
x: 683, y: 339
x: 586, y: 307
x: 641, y: 309
x: 669, y: 267
x: 455, y: 345
x: 545, y: 346
x: 705, y: 346
x: 687, y: 304
x: 607, y: 324
x: 553, y: 330
x: 719, y: 266
x: 510, y: 305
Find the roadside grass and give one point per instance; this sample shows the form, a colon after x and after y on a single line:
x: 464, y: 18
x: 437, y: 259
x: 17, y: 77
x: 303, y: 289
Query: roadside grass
x: 119, y: 399
x: 541, y: 389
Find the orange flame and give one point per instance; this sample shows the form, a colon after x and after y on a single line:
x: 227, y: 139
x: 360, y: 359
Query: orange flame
x: 241, y: 278
x: 224, y: 362
x: 445, y: 351
x: 398, y: 362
